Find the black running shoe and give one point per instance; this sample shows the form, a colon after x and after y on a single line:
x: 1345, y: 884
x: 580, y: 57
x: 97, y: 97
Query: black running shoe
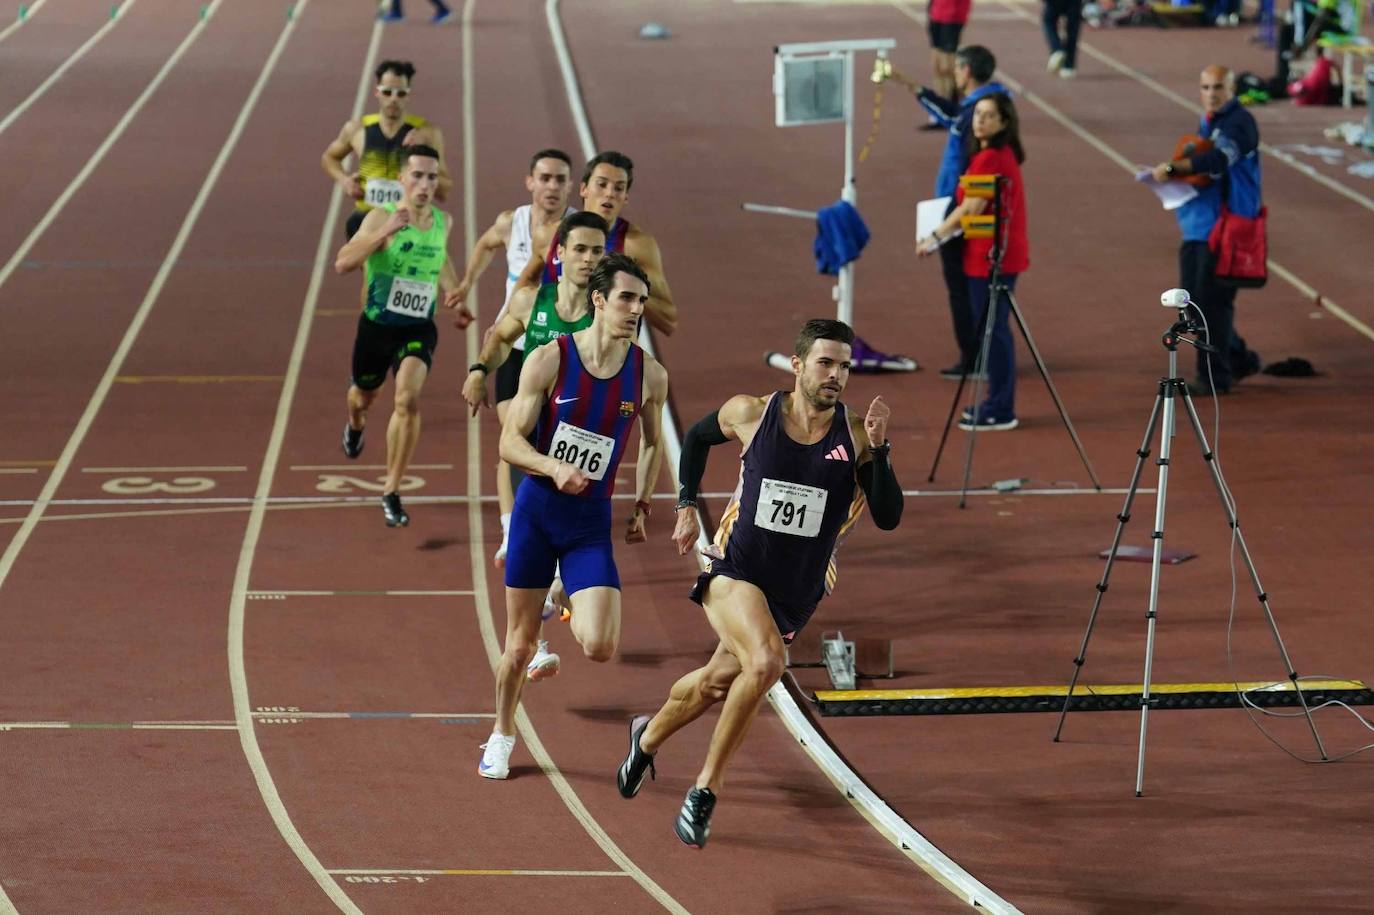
x: 694, y: 819
x: 391, y: 508
x: 352, y: 441
x: 630, y: 777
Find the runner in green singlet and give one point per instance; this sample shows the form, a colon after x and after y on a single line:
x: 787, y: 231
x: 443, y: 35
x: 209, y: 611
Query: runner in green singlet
x: 554, y: 310
x: 403, y: 249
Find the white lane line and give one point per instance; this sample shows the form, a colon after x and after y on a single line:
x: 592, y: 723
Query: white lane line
x: 99, y: 155
x: 118, y: 726
x: 485, y: 619
x: 238, y: 675
x: 371, y: 716
x: 268, y: 592
x: 18, y: 469
x: 1088, y: 137
x: 465, y: 872
x: 116, y: 15
x: 163, y: 469
x: 282, y: 501
x: 343, y: 467
x: 6, y: 33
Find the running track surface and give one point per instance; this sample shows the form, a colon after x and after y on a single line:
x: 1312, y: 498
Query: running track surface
x: 359, y: 711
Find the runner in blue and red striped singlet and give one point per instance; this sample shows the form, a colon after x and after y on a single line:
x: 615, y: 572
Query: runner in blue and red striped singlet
x: 605, y: 190
x: 808, y: 468
x: 579, y: 396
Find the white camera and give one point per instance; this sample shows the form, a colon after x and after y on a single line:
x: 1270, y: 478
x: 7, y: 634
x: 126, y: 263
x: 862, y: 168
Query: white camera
x: 1175, y: 298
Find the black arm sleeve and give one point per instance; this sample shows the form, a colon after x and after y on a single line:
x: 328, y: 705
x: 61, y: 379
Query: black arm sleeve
x: 883, y: 492
x: 695, y: 447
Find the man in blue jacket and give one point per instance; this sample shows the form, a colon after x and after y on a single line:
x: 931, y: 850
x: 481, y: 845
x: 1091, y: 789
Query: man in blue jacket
x: 1234, y: 167
x: 974, y: 66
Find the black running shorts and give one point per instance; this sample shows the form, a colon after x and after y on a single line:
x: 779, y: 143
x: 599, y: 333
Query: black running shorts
x: 508, y: 376
x: 944, y: 36
x: 354, y: 223
x: 380, y: 347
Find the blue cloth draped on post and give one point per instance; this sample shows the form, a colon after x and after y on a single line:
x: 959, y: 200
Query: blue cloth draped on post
x: 840, y: 236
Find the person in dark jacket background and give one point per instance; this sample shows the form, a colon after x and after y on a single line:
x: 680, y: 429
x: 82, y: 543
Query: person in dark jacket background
x: 1233, y: 165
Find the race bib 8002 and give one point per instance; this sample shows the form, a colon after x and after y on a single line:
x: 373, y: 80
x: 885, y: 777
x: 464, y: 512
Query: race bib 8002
x: 412, y: 298
x: 790, y: 508
x: 587, y: 451
x: 381, y: 191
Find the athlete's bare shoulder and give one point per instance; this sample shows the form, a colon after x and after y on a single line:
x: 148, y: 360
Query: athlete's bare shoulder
x: 742, y: 410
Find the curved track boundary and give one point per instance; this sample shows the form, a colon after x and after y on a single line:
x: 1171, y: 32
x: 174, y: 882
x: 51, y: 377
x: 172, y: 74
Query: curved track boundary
x: 115, y: 16
x: 888, y: 822
x: 485, y: 619
x: 243, y: 715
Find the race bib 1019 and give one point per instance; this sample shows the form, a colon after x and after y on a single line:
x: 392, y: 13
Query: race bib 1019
x: 381, y: 191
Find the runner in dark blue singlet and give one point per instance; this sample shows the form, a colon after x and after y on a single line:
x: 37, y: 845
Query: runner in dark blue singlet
x: 579, y: 396
x: 808, y: 467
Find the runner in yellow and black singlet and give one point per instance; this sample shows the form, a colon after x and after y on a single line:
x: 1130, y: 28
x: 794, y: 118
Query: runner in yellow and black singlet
x: 377, y: 142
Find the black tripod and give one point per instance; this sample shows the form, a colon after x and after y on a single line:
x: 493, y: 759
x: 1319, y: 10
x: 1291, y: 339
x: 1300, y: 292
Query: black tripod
x: 1171, y: 388
x: 974, y: 186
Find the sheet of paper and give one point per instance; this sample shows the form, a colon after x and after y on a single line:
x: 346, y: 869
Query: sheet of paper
x: 929, y: 215
x: 1171, y: 194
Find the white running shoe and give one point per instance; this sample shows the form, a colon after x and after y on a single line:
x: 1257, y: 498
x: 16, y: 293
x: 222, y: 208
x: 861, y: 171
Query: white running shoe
x: 496, y: 756
x: 543, y: 665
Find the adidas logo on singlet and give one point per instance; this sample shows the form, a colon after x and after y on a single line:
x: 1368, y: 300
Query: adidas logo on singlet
x: 838, y: 453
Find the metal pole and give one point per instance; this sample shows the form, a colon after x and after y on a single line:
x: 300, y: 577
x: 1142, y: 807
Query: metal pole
x: 844, y: 286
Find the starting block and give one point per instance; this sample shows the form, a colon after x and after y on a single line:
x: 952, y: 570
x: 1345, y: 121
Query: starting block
x: 844, y: 660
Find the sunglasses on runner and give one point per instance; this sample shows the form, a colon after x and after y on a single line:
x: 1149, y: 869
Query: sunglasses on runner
x: 388, y: 91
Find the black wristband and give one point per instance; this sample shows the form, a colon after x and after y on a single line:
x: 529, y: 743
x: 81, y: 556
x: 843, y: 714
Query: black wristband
x: 880, y: 450
x: 479, y: 367
x: 684, y: 503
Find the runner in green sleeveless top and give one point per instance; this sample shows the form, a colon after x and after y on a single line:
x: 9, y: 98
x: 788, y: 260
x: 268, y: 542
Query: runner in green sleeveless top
x: 402, y: 276
x: 404, y: 250
x: 551, y: 311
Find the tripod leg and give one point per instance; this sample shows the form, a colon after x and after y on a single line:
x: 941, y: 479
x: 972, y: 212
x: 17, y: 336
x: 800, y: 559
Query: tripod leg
x: 949, y: 421
x: 1142, y: 453
x: 1054, y: 394
x: 981, y: 372
x: 1170, y: 387
x: 1228, y: 505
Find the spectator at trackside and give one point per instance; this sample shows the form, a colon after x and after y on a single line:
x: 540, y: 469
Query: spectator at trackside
x: 1063, y: 52
x: 1234, y: 167
x: 974, y: 67
x: 996, y: 150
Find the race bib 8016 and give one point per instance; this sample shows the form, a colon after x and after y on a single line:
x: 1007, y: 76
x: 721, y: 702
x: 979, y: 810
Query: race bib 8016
x: 790, y: 508
x: 587, y: 451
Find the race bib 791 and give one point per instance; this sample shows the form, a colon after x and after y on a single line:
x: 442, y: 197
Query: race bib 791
x: 790, y: 508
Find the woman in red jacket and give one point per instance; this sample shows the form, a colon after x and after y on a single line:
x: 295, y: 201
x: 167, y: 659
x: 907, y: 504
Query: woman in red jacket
x: 997, y: 141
